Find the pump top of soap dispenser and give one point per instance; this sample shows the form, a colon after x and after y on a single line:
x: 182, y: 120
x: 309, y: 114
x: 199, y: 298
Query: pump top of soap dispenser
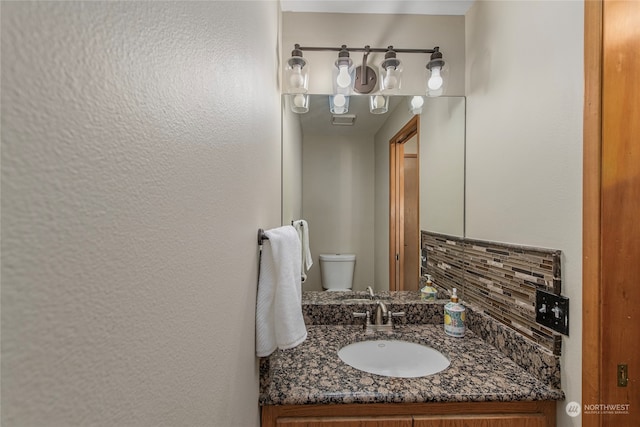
x: 454, y: 295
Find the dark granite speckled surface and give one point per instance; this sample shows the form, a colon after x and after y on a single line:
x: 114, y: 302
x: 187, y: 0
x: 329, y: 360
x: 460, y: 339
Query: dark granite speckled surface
x: 490, y: 364
x: 312, y: 373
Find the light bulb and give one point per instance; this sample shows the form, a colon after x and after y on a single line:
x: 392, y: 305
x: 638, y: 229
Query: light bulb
x: 298, y: 100
x: 435, y: 81
x: 390, y: 80
x: 296, y: 81
x: 417, y: 102
x: 378, y: 101
x: 344, y: 79
x: 339, y: 104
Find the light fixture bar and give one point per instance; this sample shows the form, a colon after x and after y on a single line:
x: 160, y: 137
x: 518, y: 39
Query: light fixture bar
x: 364, y: 49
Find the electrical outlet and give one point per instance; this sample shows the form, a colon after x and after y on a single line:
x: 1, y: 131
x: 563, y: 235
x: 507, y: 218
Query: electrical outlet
x: 552, y: 311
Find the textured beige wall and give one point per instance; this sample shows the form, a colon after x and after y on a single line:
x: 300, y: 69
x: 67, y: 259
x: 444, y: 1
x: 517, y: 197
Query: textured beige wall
x: 140, y: 153
x: 524, y: 142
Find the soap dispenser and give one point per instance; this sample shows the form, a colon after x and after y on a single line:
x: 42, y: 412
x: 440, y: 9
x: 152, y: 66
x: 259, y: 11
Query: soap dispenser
x: 454, y: 316
x: 428, y: 292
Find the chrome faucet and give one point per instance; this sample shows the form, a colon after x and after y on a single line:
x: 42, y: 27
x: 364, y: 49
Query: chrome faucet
x: 371, y: 294
x: 381, y: 314
x: 382, y: 320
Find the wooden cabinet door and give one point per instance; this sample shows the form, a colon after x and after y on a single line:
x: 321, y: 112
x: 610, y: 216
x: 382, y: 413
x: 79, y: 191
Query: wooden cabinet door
x: 507, y: 420
x: 381, y: 421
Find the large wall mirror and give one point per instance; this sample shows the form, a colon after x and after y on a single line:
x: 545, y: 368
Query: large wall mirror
x: 337, y: 178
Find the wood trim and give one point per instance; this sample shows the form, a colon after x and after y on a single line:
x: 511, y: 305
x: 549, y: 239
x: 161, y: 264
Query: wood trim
x: 400, y: 205
x: 396, y: 193
x: 392, y: 216
x: 591, y: 218
x: 270, y: 414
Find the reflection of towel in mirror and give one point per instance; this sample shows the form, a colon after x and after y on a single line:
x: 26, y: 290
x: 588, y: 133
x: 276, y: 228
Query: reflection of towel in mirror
x: 302, y: 228
x: 279, y: 321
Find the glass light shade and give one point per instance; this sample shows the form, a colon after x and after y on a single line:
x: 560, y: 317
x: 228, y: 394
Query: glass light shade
x: 343, y: 76
x: 299, y: 103
x: 339, y: 104
x: 436, y: 80
x: 415, y: 104
x: 378, y: 104
x: 390, y: 76
x: 296, y: 75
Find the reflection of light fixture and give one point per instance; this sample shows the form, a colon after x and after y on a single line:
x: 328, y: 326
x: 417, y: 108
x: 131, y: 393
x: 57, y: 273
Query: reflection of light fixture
x: 297, y: 73
x: 339, y: 104
x: 378, y: 104
x: 435, y: 84
x: 299, y: 103
x: 343, y: 73
x: 362, y: 79
x: 391, y: 72
x: 415, y: 104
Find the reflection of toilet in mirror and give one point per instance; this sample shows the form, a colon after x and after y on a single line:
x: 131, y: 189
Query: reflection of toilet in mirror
x: 337, y: 271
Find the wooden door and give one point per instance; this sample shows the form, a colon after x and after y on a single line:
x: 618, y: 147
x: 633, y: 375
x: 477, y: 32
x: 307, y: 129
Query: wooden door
x: 611, y: 203
x: 398, y: 204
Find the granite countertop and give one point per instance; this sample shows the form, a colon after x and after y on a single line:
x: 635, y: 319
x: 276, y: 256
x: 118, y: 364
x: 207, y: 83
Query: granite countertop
x: 312, y: 373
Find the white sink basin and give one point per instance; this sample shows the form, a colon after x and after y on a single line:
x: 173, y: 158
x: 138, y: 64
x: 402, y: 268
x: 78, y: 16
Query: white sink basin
x: 393, y: 358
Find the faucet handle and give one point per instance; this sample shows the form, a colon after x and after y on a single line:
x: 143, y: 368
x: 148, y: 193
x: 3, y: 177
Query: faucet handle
x: 366, y: 314
x: 396, y: 314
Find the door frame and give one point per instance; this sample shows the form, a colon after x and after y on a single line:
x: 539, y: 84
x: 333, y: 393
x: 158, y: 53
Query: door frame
x: 608, y: 338
x: 396, y: 193
x: 591, y: 208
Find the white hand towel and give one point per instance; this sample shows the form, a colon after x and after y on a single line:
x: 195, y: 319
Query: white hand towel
x: 279, y: 321
x: 302, y: 228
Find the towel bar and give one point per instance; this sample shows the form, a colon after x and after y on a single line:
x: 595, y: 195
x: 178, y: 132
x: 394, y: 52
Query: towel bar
x: 261, y: 236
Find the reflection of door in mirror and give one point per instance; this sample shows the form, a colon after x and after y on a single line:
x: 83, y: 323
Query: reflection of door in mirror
x: 404, y: 227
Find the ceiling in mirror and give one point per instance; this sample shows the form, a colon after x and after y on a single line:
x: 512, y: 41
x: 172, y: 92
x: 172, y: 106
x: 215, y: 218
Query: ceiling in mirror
x: 319, y: 118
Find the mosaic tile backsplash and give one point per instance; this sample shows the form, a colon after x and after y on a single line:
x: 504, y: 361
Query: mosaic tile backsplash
x: 499, y: 280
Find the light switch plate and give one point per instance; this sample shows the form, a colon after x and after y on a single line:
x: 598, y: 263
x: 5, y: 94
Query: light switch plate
x: 552, y: 311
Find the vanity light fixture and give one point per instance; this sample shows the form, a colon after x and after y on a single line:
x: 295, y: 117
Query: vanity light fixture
x: 339, y: 104
x: 435, y: 83
x: 415, y: 104
x: 362, y: 79
x: 299, y: 103
x: 391, y: 72
x: 378, y: 104
x: 297, y: 72
x: 343, y: 73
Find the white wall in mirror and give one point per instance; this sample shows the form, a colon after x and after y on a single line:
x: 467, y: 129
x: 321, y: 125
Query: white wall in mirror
x: 442, y: 164
x: 291, y: 165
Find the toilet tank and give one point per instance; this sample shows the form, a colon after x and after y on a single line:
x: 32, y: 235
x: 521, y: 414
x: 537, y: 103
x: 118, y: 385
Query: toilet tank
x: 337, y: 271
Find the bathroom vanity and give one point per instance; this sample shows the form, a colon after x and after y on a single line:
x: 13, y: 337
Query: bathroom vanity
x: 310, y: 386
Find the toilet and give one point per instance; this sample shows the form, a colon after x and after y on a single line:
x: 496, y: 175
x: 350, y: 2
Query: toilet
x: 337, y: 271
